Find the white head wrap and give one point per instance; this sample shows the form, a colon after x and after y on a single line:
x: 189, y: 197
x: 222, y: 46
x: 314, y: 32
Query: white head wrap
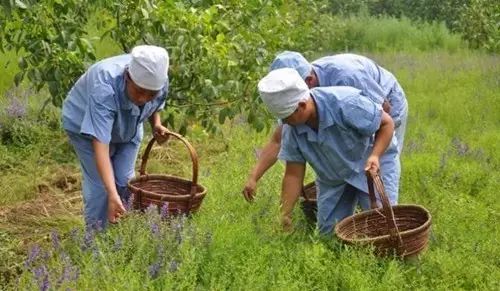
x: 282, y: 90
x: 149, y: 67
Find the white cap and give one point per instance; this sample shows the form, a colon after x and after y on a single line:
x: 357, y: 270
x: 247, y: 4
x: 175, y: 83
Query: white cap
x: 294, y: 60
x: 149, y: 67
x: 282, y: 90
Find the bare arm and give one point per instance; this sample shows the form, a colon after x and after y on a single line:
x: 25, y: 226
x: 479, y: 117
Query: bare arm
x: 155, y: 120
x: 267, y: 159
x: 103, y: 163
x: 291, y: 187
x: 383, y: 138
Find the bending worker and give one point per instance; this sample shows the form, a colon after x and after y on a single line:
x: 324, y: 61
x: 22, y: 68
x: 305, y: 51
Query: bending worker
x: 338, y: 131
x: 103, y: 116
x: 353, y: 70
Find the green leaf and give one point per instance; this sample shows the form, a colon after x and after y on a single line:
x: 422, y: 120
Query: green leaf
x: 18, y: 78
x: 145, y: 13
x: 22, y: 63
x: 20, y: 4
x: 180, y: 40
x: 223, y: 114
x: 170, y: 121
x: 57, y: 75
x: 220, y: 37
x: 251, y: 117
x: 53, y: 89
x: 183, y: 128
x: 258, y: 125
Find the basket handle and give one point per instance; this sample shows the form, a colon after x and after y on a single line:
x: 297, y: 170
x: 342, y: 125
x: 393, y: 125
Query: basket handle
x: 192, y: 152
x: 373, y: 178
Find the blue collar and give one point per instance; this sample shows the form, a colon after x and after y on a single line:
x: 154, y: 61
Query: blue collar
x: 320, y: 75
x: 125, y: 102
x: 325, y: 119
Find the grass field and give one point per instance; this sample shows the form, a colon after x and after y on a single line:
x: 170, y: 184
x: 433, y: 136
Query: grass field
x: 451, y: 165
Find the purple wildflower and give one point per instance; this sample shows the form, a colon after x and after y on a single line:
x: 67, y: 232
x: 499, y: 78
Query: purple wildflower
x: 155, y: 229
x: 38, y: 272
x: 88, y: 240
x: 42, y: 277
x: 32, y: 255
x: 45, y: 284
x: 129, y: 205
x: 55, y: 240
x: 64, y: 276
x: 461, y: 147
x: 16, y: 108
x: 154, y: 269
x: 164, y: 211
x: 70, y: 273
x: 98, y: 226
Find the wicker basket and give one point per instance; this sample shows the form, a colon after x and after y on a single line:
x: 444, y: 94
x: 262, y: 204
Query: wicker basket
x: 308, y: 203
x: 402, y: 230
x: 183, y: 196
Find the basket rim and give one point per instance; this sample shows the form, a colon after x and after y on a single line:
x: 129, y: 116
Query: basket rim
x: 147, y: 177
x: 405, y: 233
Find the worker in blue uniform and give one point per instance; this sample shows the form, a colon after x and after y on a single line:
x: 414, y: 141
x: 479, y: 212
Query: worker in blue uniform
x: 338, y: 131
x: 103, y: 117
x: 374, y: 81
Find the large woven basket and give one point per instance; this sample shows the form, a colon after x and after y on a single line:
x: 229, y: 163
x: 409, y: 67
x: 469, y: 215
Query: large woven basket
x: 182, y: 196
x: 308, y: 202
x: 401, y: 230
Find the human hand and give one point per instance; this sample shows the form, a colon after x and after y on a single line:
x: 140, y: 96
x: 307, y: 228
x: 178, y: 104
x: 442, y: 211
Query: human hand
x: 249, y: 190
x: 387, y: 107
x: 115, y: 208
x: 372, y: 164
x: 160, y: 133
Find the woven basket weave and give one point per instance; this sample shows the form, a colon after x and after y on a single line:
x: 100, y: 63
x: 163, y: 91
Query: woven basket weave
x: 402, y: 230
x: 183, y: 196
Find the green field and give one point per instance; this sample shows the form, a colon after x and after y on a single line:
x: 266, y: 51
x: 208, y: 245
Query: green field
x: 450, y: 165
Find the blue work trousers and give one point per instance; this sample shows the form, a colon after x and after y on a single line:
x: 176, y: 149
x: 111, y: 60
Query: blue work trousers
x: 95, y: 198
x: 336, y: 203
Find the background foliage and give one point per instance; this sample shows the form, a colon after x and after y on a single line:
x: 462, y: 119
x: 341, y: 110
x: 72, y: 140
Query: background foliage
x: 220, y: 49
x: 477, y: 21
